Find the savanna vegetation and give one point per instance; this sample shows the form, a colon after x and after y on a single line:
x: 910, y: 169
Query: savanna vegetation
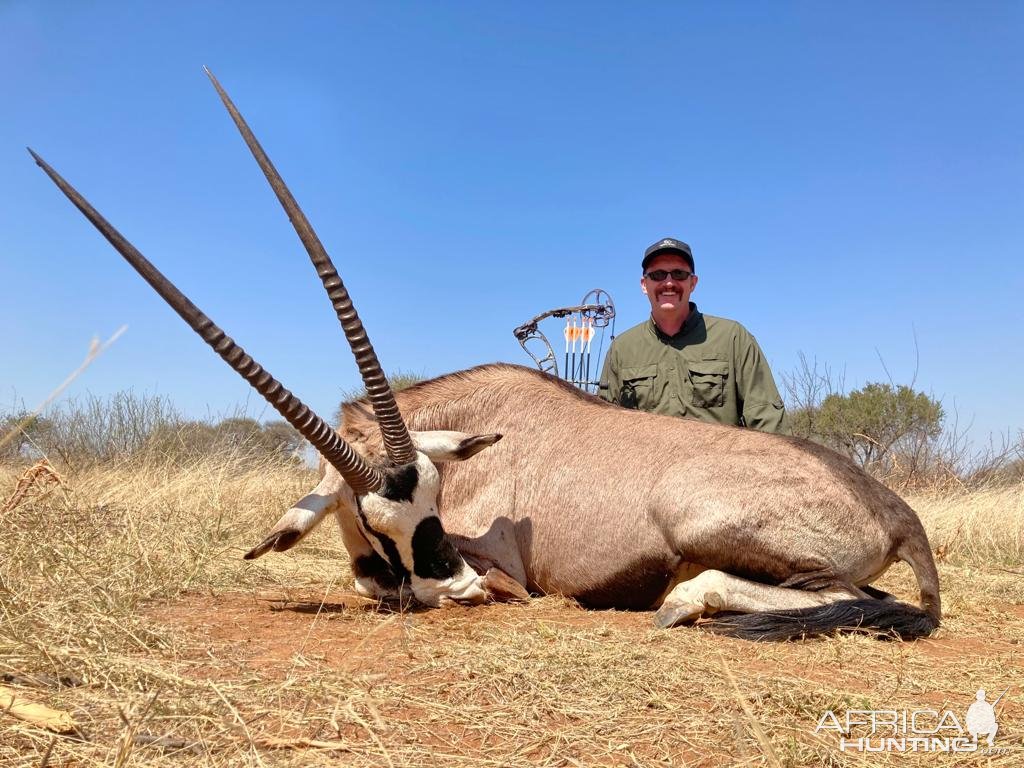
x: 124, y: 603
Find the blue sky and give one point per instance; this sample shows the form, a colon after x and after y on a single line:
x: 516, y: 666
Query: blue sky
x: 850, y: 178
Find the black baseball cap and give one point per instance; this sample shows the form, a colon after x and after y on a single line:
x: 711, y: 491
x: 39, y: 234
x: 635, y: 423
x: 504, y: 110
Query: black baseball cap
x: 668, y: 245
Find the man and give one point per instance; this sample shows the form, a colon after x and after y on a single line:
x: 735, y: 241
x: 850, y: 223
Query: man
x: 684, y: 363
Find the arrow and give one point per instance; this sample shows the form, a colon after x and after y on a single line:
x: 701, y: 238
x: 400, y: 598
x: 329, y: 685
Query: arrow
x: 567, y: 333
x: 588, y: 334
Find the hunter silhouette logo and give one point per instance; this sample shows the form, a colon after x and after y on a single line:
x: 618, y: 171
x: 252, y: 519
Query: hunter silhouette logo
x: 917, y: 730
x: 981, y: 717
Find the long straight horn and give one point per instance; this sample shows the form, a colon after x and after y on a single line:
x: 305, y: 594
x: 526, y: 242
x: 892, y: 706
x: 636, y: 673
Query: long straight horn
x: 362, y: 477
x: 397, y: 442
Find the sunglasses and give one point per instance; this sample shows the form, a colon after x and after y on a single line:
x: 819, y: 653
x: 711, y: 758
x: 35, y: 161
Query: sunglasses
x: 657, y: 275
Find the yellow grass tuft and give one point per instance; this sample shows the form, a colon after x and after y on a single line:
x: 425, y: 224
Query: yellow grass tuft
x: 983, y: 526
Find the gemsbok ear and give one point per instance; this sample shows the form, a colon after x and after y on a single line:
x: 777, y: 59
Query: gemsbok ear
x: 451, y: 446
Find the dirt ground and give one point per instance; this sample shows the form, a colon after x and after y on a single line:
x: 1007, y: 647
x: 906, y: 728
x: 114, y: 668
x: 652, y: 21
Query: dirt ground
x: 267, y: 631
x: 551, y: 683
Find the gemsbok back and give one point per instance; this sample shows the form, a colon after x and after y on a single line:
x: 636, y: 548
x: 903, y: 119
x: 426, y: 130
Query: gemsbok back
x: 773, y: 537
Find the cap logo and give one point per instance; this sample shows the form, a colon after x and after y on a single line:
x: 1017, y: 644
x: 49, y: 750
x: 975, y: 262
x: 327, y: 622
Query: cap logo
x: 666, y: 242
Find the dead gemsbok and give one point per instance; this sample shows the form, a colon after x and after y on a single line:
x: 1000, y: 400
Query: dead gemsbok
x: 777, y: 536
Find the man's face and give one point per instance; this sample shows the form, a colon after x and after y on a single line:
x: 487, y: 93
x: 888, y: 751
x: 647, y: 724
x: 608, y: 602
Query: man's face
x: 668, y: 295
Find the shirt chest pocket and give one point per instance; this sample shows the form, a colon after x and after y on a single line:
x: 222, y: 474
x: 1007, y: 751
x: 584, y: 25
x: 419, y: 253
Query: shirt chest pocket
x: 709, y: 379
x: 641, y: 387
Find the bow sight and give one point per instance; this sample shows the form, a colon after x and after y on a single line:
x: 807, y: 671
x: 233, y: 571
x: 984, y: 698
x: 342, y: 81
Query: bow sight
x: 596, y: 311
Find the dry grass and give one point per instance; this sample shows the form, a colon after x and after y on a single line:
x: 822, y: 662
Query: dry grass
x: 982, y: 526
x: 130, y: 583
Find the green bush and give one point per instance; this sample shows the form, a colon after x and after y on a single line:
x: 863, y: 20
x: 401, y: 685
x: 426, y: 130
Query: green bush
x: 869, y: 423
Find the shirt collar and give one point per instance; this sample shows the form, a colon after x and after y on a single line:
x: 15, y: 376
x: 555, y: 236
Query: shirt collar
x: 688, y: 325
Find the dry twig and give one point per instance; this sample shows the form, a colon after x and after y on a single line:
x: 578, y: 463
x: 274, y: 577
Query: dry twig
x: 39, y: 715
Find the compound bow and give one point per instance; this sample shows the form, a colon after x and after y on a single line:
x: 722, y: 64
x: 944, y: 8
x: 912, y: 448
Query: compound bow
x: 595, y: 311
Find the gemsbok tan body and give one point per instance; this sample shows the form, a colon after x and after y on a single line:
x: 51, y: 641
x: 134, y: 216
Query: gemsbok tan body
x: 779, y: 537
x: 622, y: 509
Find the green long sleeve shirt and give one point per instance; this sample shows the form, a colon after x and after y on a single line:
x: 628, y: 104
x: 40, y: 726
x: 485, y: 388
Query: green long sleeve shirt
x: 712, y: 370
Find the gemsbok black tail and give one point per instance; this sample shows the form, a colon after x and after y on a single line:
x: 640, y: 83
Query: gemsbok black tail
x: 882, y: 618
